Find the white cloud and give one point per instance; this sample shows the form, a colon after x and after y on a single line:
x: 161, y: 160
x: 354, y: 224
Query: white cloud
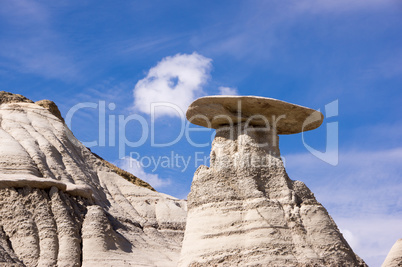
x: 134, y: 166
x: 227, y: 90
x: 352, y: 239
x: 176, y: 81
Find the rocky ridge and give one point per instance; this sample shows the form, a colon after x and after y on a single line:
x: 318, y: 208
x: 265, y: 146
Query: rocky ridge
x: 6, y: 97
x: 51, y: 106
x: 61, y: 205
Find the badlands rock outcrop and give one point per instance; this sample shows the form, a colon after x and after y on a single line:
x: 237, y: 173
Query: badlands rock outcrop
x: 244, y: 210
x: 394, y: 257
x: 60, y: 205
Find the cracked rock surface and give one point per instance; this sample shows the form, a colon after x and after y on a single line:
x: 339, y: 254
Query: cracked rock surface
x: 62, y: 206
x: 244, y: 210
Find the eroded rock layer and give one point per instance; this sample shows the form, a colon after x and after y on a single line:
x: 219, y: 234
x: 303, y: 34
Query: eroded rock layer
x: 245, y: 211
x: 41, y: 227
x: 62, y: 206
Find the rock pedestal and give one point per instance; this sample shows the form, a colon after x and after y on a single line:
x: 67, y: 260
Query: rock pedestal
x: 244, y: 210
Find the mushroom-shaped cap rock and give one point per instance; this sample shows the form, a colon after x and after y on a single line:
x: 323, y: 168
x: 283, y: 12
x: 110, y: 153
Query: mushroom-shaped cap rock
x: 286, y: 118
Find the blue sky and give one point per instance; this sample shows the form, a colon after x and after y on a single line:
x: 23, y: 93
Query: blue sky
x: 308, y: 52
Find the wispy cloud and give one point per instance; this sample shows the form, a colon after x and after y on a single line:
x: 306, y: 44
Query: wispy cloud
x: 362, y: 193
x: 265, y: 26
x: 371, y: 237
x: 146, y: 44
x: 227, y: 90
x: 390, y: 66
x: 176, y: 81
x: 339, y: 6
x: 134, y: 166
x: 33, y: 47
x: 358, y: 177
x: 24, y: 10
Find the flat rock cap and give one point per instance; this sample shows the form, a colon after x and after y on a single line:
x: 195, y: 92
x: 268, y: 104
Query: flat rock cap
x: 287, y: 118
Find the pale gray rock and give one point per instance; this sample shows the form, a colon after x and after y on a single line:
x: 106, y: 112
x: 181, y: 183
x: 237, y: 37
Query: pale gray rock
x: 284, y: 117
x: 394, y: 257
x: 62, y: 206
x: 244, y: 210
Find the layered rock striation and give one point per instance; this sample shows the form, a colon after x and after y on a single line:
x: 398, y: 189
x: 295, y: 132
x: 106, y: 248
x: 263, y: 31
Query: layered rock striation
x: 61, y: 205
x: 244, y: 210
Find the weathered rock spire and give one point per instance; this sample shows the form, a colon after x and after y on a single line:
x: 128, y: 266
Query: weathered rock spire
x: 244, y: 209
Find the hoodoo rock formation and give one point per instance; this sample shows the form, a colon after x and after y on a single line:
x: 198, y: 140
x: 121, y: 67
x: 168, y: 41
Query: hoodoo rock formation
x: 244, y: 210
x: 60, y: 205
